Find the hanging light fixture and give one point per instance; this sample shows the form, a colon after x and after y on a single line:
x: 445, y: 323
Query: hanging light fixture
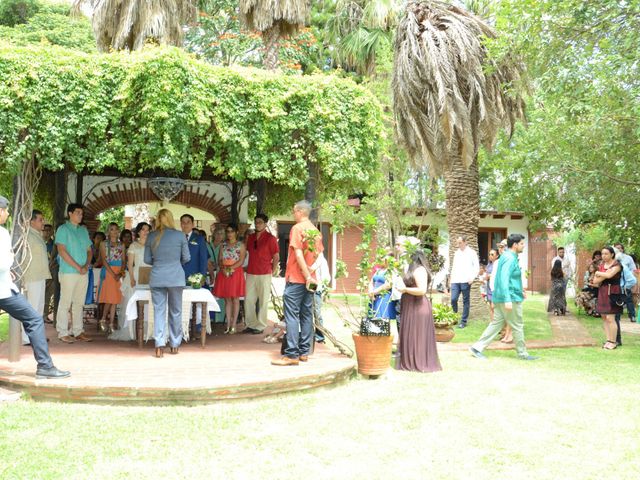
x: 166, y: 188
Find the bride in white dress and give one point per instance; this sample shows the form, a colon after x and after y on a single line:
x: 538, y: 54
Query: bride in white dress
x: 135, y: 260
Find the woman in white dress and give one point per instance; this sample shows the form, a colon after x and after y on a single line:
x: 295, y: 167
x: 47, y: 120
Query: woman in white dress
x: 135, y: 260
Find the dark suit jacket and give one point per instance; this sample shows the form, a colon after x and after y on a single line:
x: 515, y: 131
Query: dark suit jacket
x: 199, y: 256
x: 166, y: 258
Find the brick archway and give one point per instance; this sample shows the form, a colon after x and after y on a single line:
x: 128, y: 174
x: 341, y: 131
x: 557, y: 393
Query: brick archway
x: 117, y: 193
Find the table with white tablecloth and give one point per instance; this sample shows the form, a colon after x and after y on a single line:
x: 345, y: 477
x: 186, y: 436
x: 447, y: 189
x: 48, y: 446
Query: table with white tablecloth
x: 190, y: 297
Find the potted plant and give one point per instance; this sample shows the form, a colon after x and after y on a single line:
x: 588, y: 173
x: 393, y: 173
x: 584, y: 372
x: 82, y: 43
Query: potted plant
x: 444, y: 318
x: 371, y: 336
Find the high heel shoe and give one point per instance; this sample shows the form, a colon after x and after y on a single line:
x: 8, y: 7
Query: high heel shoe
x: 110, y: 329
x: 173, y: 350
x: 232, y: 331
x: 159, y: 352
x: 102, y: 325
x: 226, y: 332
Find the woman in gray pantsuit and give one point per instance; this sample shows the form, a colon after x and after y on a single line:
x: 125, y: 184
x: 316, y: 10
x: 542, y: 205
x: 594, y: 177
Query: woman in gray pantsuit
x: 166, y: 250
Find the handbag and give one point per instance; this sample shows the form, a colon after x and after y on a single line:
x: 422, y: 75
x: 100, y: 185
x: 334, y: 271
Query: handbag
x: 378, y: 327
x: 616, y: 298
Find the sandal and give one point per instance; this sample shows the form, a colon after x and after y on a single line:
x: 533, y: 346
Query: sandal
x: 615, y: 345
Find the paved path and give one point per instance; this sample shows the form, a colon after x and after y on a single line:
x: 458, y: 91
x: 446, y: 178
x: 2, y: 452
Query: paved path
x: 567, y: 332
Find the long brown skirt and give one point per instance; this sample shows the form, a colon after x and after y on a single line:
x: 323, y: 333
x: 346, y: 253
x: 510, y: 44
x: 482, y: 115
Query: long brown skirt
x: 417, y: 342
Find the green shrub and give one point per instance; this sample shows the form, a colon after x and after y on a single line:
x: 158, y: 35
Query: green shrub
x: 15, y: 12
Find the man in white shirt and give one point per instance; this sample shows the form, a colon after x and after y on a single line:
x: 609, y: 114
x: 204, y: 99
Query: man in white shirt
x: 16, y: 305
x: 567, y: 269
x: 464, y: 271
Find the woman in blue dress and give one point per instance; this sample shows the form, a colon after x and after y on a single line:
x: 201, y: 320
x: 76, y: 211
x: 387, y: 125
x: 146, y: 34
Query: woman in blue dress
x: 381, y: 305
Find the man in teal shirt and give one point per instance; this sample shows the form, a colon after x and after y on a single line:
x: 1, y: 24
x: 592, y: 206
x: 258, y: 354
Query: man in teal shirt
x: 508, y: 296
x: 74, y: 250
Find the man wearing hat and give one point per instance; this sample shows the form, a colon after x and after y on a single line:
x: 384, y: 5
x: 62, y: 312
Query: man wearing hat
x: 16, y: 305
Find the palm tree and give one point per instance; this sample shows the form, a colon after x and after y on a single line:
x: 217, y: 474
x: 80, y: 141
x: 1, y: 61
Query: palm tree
x: 449, y: 98
x: 128, y: 24
x: 359, y: 28
x: 275, y: 19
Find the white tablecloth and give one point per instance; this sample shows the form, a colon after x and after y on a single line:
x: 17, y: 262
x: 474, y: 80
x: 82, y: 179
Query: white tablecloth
x: 189, y: 295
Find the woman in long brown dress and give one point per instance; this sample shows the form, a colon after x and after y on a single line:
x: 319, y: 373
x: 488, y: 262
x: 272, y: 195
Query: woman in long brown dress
x: 608, y: 279
x: 417, y: 343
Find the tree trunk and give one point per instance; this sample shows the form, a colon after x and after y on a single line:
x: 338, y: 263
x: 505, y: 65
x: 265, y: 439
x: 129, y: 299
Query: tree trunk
x: 270, y: 38
x: 261, y: 194
x: 310, y: 188
x: 235, y: 202
x: 462, y: 188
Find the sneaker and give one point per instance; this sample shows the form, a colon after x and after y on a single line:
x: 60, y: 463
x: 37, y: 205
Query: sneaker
x: 477, y: 353
x: 528, y: 357
x: 462, y: 325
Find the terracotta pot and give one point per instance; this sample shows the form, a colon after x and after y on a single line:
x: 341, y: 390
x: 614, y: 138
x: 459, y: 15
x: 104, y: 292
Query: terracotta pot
x: 374, y: 353
x: 444, y: 334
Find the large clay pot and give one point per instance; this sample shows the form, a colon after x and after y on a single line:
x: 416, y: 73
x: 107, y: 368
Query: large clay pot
x: 444, y: 334
x: 373, y: 352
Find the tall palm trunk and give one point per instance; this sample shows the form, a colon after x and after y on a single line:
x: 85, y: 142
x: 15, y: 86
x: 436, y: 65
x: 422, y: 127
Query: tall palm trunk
x: 270, y: 38
x: 463, y: 214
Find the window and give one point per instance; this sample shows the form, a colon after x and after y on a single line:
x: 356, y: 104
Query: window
x: 489, y: 238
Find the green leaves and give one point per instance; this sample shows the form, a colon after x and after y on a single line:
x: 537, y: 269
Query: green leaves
x: 162, y: 110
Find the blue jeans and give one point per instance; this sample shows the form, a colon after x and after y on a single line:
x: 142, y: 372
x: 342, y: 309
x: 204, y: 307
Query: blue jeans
x: 171, y: 298
x: 465, y: 289
x: 17, y: 306
x: 631, y: 309
x: 298, y: 318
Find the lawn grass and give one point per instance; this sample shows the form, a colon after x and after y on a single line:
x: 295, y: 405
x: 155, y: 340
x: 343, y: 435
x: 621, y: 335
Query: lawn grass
x: 4, y: 327
x: 534, y: 313
x: 571, y: 414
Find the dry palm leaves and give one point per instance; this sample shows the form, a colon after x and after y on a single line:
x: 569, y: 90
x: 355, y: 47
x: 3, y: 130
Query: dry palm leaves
x: 128, y: 24
x: 447, y: 95
x: 262, y: 15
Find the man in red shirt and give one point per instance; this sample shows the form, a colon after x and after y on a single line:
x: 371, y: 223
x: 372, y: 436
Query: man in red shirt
x: 264, y: 261
x: 305, y: 244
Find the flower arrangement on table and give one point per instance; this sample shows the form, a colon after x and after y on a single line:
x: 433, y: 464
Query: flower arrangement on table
x: 196, y: 280
x: 227, y: 267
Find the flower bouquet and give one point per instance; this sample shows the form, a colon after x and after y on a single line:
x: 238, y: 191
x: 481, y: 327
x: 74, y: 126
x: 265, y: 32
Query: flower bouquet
x: 227, y: 269
x: 196, y: 280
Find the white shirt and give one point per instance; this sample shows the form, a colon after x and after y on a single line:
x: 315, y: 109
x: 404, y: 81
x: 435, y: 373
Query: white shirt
x: 566, y: 265
x: 465, y: 266
x: 321, y: 269
x: 6, y: 262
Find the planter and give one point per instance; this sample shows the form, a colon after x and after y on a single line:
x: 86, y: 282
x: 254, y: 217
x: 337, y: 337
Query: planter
x: 374, y: 353
x: 445, y: 333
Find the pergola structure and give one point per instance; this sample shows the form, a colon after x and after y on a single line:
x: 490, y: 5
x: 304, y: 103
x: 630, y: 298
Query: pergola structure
x: 103, y: 128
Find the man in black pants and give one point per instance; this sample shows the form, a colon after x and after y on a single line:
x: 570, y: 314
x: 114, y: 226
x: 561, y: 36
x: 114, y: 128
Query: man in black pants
x: 16, y: 305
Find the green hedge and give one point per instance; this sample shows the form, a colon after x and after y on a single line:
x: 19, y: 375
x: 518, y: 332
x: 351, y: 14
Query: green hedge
x: 160, y: 110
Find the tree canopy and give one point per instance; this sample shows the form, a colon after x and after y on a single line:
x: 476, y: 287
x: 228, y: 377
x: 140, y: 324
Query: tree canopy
x: 162, y: 110
x: 577, y: 161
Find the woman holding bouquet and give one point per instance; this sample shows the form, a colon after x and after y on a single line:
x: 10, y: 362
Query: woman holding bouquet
x: 230, y: 283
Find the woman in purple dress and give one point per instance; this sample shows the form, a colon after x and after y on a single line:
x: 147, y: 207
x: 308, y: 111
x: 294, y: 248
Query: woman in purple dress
x: 417, y: 343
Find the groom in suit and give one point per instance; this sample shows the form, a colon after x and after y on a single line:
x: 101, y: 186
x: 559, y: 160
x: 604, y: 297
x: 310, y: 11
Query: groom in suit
x: 199, y: 255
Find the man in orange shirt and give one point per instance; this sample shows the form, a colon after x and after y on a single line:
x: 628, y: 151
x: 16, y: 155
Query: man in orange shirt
x: 305, y: 244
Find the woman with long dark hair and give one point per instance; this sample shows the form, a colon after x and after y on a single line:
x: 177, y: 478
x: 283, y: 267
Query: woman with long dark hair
x: 417, y: 343
x: 608, y: 279
x: 557, y: 297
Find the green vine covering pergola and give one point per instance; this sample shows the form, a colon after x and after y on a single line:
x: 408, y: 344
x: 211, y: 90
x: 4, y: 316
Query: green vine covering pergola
x: 162, y: 110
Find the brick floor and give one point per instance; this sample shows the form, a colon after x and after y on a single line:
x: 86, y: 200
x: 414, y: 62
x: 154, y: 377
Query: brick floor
x: 230, y: 366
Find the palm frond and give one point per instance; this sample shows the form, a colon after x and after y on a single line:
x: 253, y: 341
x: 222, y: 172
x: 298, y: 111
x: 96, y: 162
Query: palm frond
x: 448, y: 96
x: 358, y: 49
x: 261, y: 15
x: 128, y: 24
